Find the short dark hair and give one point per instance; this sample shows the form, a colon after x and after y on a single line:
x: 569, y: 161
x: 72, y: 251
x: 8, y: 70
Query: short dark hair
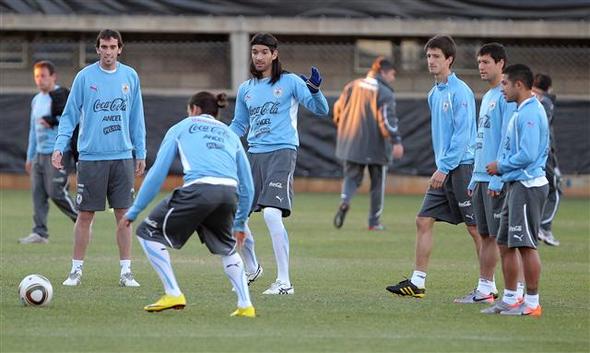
x: 445, y: 43
x: 208, y: 102
x: 109, y: 33
x: 45, y: 64
x: 495, y: 50
x: 381, y: 64
x: 542, y: 81
x: 272, y: 43
x: 520, y: 72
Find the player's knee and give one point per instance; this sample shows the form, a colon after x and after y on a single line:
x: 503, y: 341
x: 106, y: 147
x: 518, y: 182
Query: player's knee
x: 85, y: 218
x: 422, y: 223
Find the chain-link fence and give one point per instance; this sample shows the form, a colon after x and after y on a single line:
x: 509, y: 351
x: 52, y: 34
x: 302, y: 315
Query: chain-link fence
x: 203, y: 64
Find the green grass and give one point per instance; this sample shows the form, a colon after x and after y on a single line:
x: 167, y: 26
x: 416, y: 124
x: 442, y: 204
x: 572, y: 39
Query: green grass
x: 340, y: 304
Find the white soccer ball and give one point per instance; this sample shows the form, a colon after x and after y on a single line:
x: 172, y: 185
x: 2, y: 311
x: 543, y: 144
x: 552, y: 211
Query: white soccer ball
x: 35, y: 290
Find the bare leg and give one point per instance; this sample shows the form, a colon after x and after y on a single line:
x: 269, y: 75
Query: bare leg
x: 510, y: 266
x: 123, y: 236
x: 82, y: 231
x: 488, y: 257
x: 472, y: 230
x: 531, y: 263
x: 424, y: 242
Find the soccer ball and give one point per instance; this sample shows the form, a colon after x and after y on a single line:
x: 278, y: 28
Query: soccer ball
x: 35, y: 290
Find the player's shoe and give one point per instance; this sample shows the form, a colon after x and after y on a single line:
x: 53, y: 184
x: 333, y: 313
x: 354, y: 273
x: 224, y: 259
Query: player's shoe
x: 33, y: 238
x: 524, y: 310
x: 73, y: 279
x: 167, y: 302
x: 340, y: 215
x: 245, y: 312
x: 279, y: 288
x: 406, y: 288
x: 254, y: 275
x: 377, y: 227
x: 476, y: 297
x: 498, y: 307
x: 547, y: 237
x: 127, y: 280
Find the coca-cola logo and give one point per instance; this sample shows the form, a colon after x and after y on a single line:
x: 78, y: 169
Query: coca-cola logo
x: 116, y: 105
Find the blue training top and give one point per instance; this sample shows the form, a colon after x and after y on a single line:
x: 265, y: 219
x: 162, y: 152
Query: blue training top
x: 207, y: 148
x: 452, y: 108
x: 109, y: 108
x: 525, y: 145
x: 269, y: 112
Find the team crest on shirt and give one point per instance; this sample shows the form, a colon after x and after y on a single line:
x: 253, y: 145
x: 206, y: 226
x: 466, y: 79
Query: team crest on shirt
x: 125, y: 88
x: 445, y: 106
x: 277, y: 92
x: 492, y: 105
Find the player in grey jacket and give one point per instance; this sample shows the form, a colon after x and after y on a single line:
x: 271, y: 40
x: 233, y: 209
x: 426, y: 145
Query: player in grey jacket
x: 367, y: 133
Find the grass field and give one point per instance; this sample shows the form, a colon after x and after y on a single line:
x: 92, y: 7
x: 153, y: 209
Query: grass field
x: 340, y: 304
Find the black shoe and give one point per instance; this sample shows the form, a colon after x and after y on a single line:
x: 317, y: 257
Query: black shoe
x: 406, y: 288
x: 340, y: 215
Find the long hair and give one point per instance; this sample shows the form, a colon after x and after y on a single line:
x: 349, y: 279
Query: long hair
x: 272, y: 43
x: 208, y: 102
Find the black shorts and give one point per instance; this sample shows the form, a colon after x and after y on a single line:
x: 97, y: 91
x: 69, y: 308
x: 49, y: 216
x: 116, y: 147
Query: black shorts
x: 450, y: 203
x: 487, y: 209
x: 521, y: 215
x: 110, y: 179
x: 272, y: 173
x: 207, y: 209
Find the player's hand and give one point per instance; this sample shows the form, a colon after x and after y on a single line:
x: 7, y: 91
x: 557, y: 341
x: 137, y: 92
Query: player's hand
x: 56, y: 160
x: 240, y: 238
x: 437, y: 179
x: 28, y: 167
x: 314, y: 81
x: 125, y: 222
x: 492, y: 168
x: 139, y: 167
x: 493, y: 193
x: 44, y: 123
x: 398, y: 151
x: 469, y: 192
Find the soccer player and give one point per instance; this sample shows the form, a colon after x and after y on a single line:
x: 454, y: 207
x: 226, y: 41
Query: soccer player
x: 266, y: 108
x: 106, y: 102
x: 541, y: 89
x: 367, y: 129
x: 452, y: 106
x: 487, y: 192
x: 48, y: 182
x: 524, y: 152
x: 217, y: 178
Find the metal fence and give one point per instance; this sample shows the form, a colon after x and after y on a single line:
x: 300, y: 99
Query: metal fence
x: 200, y: 64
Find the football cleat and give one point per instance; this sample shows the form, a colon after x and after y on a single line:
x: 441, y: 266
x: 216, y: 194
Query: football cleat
x: 340, y: 215
x: 524, y: 310
x: 73, y: 279
x: 476, y: 297
x: 167, y: 302
x: 279, y: 288
x: 547, y: 237
x: 377, y: 227
x: 127, y: 280
x: 498, y: 307
x: 406, y: 288
x: 245, y: 312
x: 254, y: 275
x: 33, y: 238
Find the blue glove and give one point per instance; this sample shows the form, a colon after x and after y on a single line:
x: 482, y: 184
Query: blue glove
x: 314, y: 81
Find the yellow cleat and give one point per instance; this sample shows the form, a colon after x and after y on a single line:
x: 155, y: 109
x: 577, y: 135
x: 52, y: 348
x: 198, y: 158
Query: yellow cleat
x: 245, y: 312
x: 167, y: 302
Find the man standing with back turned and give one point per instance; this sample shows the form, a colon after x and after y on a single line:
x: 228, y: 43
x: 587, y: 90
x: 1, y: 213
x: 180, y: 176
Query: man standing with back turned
x: 452, y: 106
x: 367, y: 128
x: 106, y: 102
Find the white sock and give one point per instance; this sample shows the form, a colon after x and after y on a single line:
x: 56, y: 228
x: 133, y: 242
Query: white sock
x: 159, y: 257
x: 509, y: 297
x: 234, y: 269
x: 485, y: 286
x: 77, y: 265
x: 280, y: 242
x: 494, y: 288
x: 520, y: 290
x: 125, y: 266
x: 418, y: 279
x: 531, y: 300
x: 247, y: 252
